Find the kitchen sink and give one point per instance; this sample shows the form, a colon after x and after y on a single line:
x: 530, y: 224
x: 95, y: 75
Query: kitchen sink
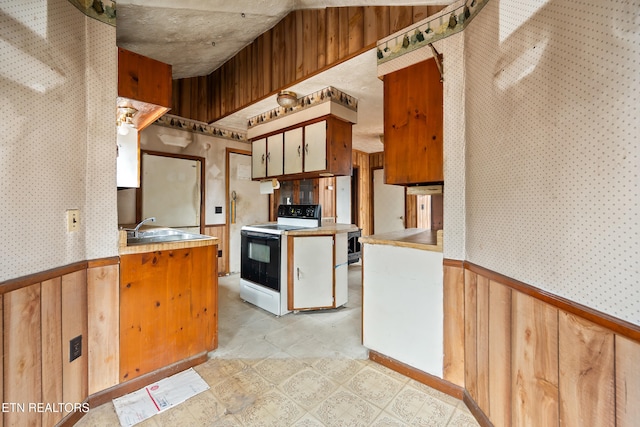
x: 161, y: 235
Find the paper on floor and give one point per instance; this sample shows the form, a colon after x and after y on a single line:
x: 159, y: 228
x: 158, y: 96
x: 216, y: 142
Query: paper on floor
x: 157, y: 397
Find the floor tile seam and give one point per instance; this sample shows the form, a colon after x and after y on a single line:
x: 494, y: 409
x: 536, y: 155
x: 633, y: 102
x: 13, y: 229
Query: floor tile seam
x: 305, y: 408
x: 311, y: 368
x: 439, y: 400
x: 393, y: 416
x: 278, y: 385
x: 362, y: 365
x: 424, y: 401
x: 304, y: 411
x: 219, y: 416
x: 393, y: 398
x: 314, y: 410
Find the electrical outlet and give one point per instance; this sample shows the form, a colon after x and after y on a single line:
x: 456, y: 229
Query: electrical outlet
x: 73, y: 220
x: 75, y: 348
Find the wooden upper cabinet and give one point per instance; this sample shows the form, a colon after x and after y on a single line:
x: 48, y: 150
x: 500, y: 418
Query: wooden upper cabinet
x: 312, y: 149
x: 145, y: 84
x: 144, y: 79
x: 413, y: 125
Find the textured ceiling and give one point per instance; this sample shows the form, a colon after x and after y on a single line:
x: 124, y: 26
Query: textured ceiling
x: 181, y: 33
x: 198, y: 36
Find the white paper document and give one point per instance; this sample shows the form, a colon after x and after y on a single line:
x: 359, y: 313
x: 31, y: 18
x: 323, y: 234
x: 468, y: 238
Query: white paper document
x: 157, y: 397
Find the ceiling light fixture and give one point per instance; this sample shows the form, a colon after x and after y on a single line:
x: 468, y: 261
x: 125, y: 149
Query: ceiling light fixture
x: 287, y: 99
x: 124, y: 118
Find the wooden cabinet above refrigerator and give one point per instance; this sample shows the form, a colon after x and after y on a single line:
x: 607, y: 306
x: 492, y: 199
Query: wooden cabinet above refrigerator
x: 413, y: 110
x: 144, y: 84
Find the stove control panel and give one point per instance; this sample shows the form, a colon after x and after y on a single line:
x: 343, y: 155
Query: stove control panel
x: 300, y: 211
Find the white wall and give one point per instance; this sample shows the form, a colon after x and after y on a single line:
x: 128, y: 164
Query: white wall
x: 57, y: 147
x: 213, y: 149
x: 553, y: 144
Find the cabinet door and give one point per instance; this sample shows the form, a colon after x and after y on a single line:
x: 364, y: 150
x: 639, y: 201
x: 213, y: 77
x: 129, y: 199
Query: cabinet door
x: 315, y: 147
x: 312, y: 272
x: 413, y: 119
x: 293, y: 151
x: 275, y: 155
x: 259, y: 158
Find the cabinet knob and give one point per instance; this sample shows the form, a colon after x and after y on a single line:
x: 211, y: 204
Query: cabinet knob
x: 299, y: 151
x: 263, y: 159
x: 306, y: 148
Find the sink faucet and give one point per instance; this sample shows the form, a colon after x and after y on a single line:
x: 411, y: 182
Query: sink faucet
x: 150, y: 219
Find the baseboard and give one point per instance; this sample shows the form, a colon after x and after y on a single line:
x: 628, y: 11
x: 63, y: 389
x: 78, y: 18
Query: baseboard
x: 109, y: 394
x: 418, y: 375
x: 105, y: 396
x: 72, y: 418
x: 475, y: 410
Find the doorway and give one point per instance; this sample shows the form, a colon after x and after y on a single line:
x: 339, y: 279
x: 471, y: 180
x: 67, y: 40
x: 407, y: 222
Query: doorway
x: 171, y: 190
x: 245, y: 203
x: 388, y: 205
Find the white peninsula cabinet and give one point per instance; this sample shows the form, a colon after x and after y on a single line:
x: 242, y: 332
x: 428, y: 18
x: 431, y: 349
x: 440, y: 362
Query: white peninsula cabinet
x: 402, y: 307
x: 318, y: 270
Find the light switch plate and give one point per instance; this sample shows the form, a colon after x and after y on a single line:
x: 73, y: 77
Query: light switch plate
x: 73, y: 220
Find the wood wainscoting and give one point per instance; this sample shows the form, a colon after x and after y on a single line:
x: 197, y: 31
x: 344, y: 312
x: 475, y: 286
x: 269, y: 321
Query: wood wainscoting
x: 528, y: 358
x: 41, y: 313
x: 220, y: 231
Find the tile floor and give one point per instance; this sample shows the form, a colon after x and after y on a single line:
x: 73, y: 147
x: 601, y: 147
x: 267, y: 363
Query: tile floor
x: 302, y: 369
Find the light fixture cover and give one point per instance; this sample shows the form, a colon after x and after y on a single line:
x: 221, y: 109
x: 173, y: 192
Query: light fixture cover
x: 287, y: 99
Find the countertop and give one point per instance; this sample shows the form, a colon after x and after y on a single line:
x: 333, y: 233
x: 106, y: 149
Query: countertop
x: 123, y: 249
x: 323, y: 230
x: 416, y: 238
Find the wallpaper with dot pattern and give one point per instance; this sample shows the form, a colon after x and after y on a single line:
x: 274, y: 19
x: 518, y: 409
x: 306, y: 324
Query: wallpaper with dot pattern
x: 553, y: 148
x: 56, y: 152
x: 453, y: 63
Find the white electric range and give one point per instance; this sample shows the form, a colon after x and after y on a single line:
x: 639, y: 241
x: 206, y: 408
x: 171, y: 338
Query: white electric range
x: 263, y: 261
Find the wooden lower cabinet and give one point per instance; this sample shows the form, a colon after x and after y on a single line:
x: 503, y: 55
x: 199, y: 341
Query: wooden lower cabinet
x: 168, y: 308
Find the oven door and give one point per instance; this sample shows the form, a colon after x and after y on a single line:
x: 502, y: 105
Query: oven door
x: 260, y: 258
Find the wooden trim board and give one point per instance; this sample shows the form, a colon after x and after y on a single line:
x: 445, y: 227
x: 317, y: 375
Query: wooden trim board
x: 109, y: 394
x: 25, y: 281
x: 619, y: 326
x: 416, y: 374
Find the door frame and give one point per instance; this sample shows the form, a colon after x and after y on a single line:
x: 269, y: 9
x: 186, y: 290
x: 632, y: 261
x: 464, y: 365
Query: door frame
x: 372, y: 210
x: 227, y: 198
x: 202, y: 161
